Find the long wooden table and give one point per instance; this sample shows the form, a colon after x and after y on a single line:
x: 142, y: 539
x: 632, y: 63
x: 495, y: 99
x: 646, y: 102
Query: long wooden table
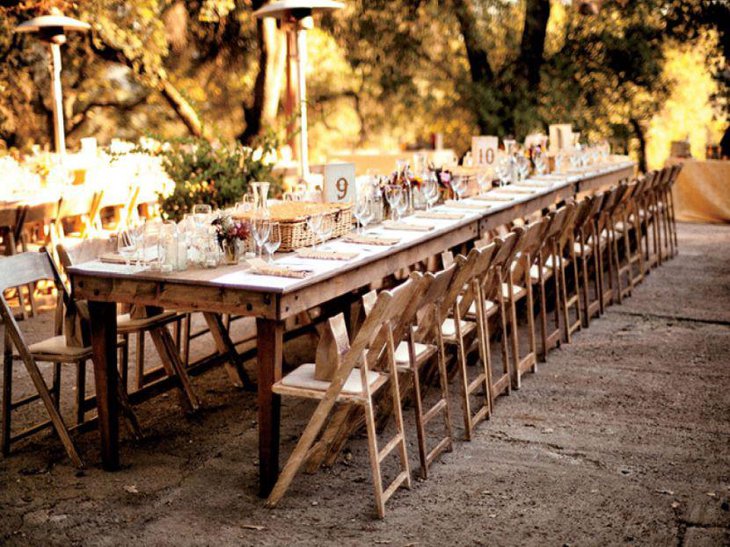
x: 272, y: 299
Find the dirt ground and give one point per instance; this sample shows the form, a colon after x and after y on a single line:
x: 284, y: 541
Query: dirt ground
x: 622, y: 437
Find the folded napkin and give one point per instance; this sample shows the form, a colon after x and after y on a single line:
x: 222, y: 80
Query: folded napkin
x: 113, y: 258
x: 260, y: 267
x: 513, y: 189
x: 363, y: 239
x: 326, y: 255
x: 438, y: 215
x: 530, y: 188
x: 391, y: 225
x: 490, y: 196
x: 464, y: 205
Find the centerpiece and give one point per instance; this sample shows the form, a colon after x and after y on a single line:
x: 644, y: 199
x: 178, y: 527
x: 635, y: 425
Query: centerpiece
x: 231, y: 235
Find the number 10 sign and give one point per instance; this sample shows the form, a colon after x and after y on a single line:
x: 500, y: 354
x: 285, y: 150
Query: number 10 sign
x: 339, y: 182
x: 484, y: 150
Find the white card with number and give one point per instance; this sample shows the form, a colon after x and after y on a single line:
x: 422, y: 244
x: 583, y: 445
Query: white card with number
x: 339, y: 182
x: 484, y: 150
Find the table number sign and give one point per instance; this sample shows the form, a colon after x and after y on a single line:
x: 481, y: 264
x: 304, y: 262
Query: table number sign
x: 484, y: 150
x: 339, y: 182
x: 561, y: 137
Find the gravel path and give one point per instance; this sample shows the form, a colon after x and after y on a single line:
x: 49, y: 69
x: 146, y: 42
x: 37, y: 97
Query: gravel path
x: 622, y: 437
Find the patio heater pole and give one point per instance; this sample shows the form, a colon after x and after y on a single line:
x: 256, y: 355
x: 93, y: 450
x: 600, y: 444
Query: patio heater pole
x: 301, y: 68
x: 59, y: 134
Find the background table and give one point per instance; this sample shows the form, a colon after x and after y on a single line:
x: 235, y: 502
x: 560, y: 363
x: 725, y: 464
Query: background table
x: 702, y: 191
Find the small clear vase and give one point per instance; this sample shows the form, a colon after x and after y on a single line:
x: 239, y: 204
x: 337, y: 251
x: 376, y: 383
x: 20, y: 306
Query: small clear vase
x: 231, y: 252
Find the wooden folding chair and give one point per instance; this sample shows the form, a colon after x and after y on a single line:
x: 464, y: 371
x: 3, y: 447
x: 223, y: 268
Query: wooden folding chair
x: 623, y: 257
x: 603, y: 242
x: 23, y: 269
x: 584, y: 236
x: 519, y: 287
x: 354, y: 382
x: 495, y: 307
x: 154, y: 323
x: 464, y: 295
x: 631, y: 228
x: 665, y: 200
x: 11, y: 228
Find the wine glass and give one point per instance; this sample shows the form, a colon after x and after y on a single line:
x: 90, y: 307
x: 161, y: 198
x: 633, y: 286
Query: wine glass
x: 430, y: 189
x: 539, y: 161
x: 326, y: 230
x: 484, y: 180
x: 523, y: 167
x: 363, y: 207
x: 394, y: 195
x: 272, y: 244
x: 314, y: 223
x: 127, y: 245
x: 504, y: 169
x: 368, y: 213
x: 261, y: 230
x: 458, y: 185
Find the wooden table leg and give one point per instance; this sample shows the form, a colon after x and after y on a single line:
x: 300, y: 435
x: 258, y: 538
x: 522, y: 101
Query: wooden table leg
x: 270, y: 344
x: 104, y: 354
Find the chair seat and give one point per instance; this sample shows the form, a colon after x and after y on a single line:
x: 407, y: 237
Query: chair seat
x: 301, y: 382
x: 56, y: 349
x: 448, y: 327
x: 547, y: 271
x: 489, y: 305
x: 517, y: 291
x: 402, y: 356
x: 126, y: 324
x: 580, y: 251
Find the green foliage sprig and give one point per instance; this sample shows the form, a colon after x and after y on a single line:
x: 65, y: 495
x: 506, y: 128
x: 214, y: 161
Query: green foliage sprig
x: 215, y: 175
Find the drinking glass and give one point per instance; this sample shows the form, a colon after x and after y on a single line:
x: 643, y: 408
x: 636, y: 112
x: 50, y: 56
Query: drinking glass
x: 362, y: 207
x: 150, y: 249
x: 201, y: 212
x: 394, y: 195
x: 484, y: 180
x: 458, y: 184
x: 127, y: 245
x: 272, y: 244
x: 504, y: 169
x: 368, y: 213
x: 539, y: 161
x: 430, y: 189
x: 326, y: 229
x: 523, y: 167
x: 314, y: 223
x: 261, y: 230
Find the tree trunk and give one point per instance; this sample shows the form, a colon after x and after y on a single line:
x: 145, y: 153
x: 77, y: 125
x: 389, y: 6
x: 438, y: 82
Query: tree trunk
x: 532, y: 48
x: 182, y: 107
x: 641, y: 136
x: 269, y: 79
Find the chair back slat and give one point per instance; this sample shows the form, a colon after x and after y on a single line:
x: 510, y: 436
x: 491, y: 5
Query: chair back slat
x: 85, y: 251
x: 25, y: 268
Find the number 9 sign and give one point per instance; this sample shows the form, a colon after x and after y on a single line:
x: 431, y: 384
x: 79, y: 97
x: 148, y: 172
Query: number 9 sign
x: 339, y: 182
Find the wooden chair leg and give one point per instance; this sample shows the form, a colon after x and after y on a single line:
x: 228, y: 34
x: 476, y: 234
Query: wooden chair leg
x: 7, y: 395
x: 80, y: 392
x: 139, y: 362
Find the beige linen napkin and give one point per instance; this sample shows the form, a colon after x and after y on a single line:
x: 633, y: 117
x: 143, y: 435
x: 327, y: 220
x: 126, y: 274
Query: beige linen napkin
x: 390, y: 225
x: 439, y: 215
x: 370, y: 239
x: 308, y: 252
x: 260, y: 267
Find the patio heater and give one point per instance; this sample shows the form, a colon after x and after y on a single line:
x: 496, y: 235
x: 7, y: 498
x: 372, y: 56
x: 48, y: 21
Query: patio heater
x: 299, y: 13
x: 52, y: 30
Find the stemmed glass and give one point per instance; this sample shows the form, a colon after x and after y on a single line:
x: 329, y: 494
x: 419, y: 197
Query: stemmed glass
x: 394, y: 195
x: 363, y: 211
x: 261, y: 230
x: 325, y: 231
x: 273, y: 242
x: 201, y: 212
x: 314, y: 223
x: 523, y: 167
x: 539, y: 161
x: 458, y: 184
x: 128, y: 244
x: 430, y: 190
x: 484, y: 180
x: 504, y: 169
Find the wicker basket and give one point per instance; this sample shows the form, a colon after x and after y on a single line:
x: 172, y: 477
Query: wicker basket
x: 292, y: 218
